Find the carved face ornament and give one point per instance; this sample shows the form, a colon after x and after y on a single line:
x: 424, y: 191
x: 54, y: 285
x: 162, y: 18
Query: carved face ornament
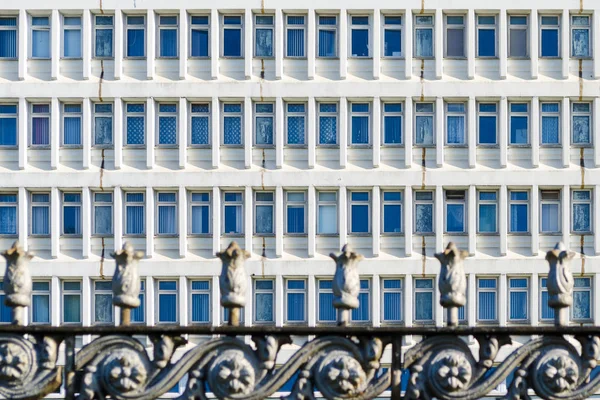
x: 347, y: 375
x: 13, y: 362
x: 236, y: 375
x: 128, y: 373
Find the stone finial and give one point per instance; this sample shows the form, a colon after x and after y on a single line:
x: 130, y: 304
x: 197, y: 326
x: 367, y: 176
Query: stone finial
x: 17, y: 281
x: 346, y: 283
x: 560, y: 282
x: 233, y: 280
x: 126, y: 281
x: 452, y: 281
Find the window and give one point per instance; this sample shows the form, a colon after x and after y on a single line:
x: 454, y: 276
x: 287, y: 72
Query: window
x: 8, y: 37
x: 71, y: 124
x: 200, y: 124
x: 71, y: 213
x: 138, y: 315
x: 392, y: 300
x: 167, y: 302
x: 296, y: 124
x: 264, y: 300
x: 519, y: 123
x: 550, y: 211
x: 232, y: 124
x: 233, y: 211
x: 518, y: 299
x: 487, y: 296
x: 392, y: 36
x: 423, y: 212
x: 455, y: 124
x: 424, y: 113
x: 263, y: 124
x: 487, y: 212
x: 392, y: 124
x: 103, y: 124
x: 582, y: 300
x: 232, y: 36
x: 487, y: 123
x: 103, y: 36
x: 5, y: 311
x: 8, y: 214
x: 518, y: 40
x: 360, y: 123
x: 167, y: 124
x: 103, y: 306
x: 580, y: 36
x: 550, y: 123
x: 360, y: 215
x: 136, y: 35
x: 327, y: 313
x: 134, y: 213
x: 519, y: 211
x: 8, y: 122
x: 296, y: 212
x: 455, y: 211
x: 392, y: 212
x: 295, y: 29
x: 362, y: 314
x: 71, y: 300
x: 328, y: 123
x: 200, y: 213
x: 455, y: 36
x: 423, y: 291
x: 581, y: 123
x: 327, y: 36
x: 135, y: 115
x: 295, y: 297
x: 359, y: 30
x: 40, y: 214
x: 40, y: 124
x: 581, y: 209
x: 263, y: 35
x: 550, y: 36
x: 167, y: 35
x: 423, y: 36
x: 167, y: 213
x: 40, y: 37
x: 486, y: 36
x: 71, y: 37
x: 103, y: 214
x: 40, y: 302
x: 327, y: 208
x: 263, y: 210
x: 200, y: 301
x: 200, y: 34
x: 546, y: 312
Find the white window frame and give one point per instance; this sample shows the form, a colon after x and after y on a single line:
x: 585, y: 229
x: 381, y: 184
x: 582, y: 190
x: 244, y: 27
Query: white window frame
x: 385, y: 290
x: 590, y: 38
x: 424, y: 114
x: 264, y: 26
x: 543, y: 27
x: 134, y: 204
x: 135, y: 26
x: 67, y: 114
x: 289, y: 114
x: 550, y: 114
x: 62, y: 213
x: 493, y: 27
x: 360, y: 114
x: 64, y: 292
x: 520, y: 290
x: 294, y: 27
x: 400, y: 203
x: 424, y: 26
x: 241, y: 28
x: 192, y: 204
x: 418, y: 201
x: 448, y: 200
x: 328, y: 203
x: 464, y: 114
x: 352, y: 26
x: 486, y: 114
x: 541, y: 304
x: 160, y: 291
x: 166, y: 204
x: 487, y: 290
x: 163, y: 26
x: 433, y: 304
x: 589, y: 114
x: 38, y: 114
x: 14, y: 205
x: 590, y: 289
x: 265, y: 114
x: 287, y: 291
x: 517, y: 27
x: 38, y: 204
x: 71, y: 28
x: 240, y: 115
x: 93, y: 301
x: 549, y: 201
x: 207, y: 115
x: 39, y: 292
x: 167, y: 114
x: 318, y: 301
x: 392, y: 27
x: 328, y: 28
x: 199, y: 27
x: 258, y: 203
x: 367, y: 203
x: 369, y: 306
x: 295, y: 203
x: 14, y: 116
x: 256, y: 291
x: 102, y: 204
x: 135, y: 114
x: 329, y: 114
x: 200, y: 291
x: 11, y: 28
x: 519, y: 114
x: 240, y: 205
x: 462, y: 26
x: 400, y: 114
x: 39, y: 28
x: 104, y: 27
x: 487, y: 202
x: 103, y: 115
x: 589, y: 202
x: 526, y: 203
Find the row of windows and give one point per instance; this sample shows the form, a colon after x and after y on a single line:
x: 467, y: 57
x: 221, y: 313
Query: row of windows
x: 360, y: 37
x: 391, y: 297
x: 200, y: 212
x: 360, y: 120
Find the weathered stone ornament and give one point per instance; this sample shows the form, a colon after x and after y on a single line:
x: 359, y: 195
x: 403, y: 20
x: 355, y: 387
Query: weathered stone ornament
x: 233, y: 280
x: 126, y: 281
x: 560, y: 282
x: 346, y: 283
x: 452, y: 281
x: 17, y: 281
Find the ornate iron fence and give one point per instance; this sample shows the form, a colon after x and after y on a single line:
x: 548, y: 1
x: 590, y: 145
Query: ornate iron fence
x: 340, y: 362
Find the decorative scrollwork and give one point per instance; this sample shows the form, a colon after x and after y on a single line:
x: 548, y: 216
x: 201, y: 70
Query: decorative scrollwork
x: 339, y: 374
x: 231, y: 373
x: 452, y: 371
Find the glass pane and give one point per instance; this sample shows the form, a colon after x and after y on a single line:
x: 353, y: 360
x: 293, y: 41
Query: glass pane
x: 103, y: 308
x: 518, y: 130
x: 72, y: 131
x: 200, y: 220
x: 392, y: 218
x: 232, y: 42
x: 360, y: 130
x: 264, y: 42
x: 518, y: 305
x: 264, y: 130
x: 135, y: 220
x: 392, y: 130
x: 487, y: 130
x: 550, y: 218
x: 264, y: 219
x: 135, y: 42
x: 423, y: 42
x: 486, y: 42
x: 295, y: 130
x: 102, y: 130
x: 135, y: 130
x: 327, y: 130
x: 424, y: 130
x: 487, y: 218
x: 102, y: 220
x: 200, y: 307
x: 327, y: 42
x: 168, y: 43
x: 72, y: 308
x: 326, y: 310
x: 295, y: 219
x: 362, y: 312
x: 72, y: 220
x: 264, y: 307
x: 456, y: 129
x: 40, y: 44
x: 486, y: 306
x: 167, y: 220
x: 232, y: 128
x: 295, y: 42
x: 423, y: 218
x: 295, y: 307
x: 392, y: 307
x: 581, y: 217
x: 40, y: 220
x: 549, y: 42
x: 40, y: 131
x: 581, y: 129
x: 423, y: 306
x: 233, y: 219
x: 8, y: 130
x: 167, y: 130
x: 200, y: 130
x: 580, y: 46
x: 518, y: 43
x: 40, y: 308
x: 167, y: 308
x: 518, y: 218
x: 199, y: 43
x: 8, y: 40
x: 455, y: 42
x: 327, y: 219
x: 550, y: 130
x: 360, y: 218
x: 455, y: 218
x: 72, y: 43
x: 581, y: 305
x: 360, y: 43
x: 392, y: 43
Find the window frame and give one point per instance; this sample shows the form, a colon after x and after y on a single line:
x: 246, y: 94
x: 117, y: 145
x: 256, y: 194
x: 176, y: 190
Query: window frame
x: 351, y: 203
x: 158, y: 204
x: 587, y: 27
x: 14, y: 205
x: 263, y: 114
x: 392, y: 27
x: 71, y: 114
x: 38, y: 204
x: 433, y: 304
x: 64, y: 292
x: 451, y: 201
x: 541, y: 304
x: 302, y: 27
x: 126, y: 28
x: 464, y: 114
x: 416, y: 27
x: 369, y: 27
x: 295, y: 203
x: 525, y: 290
x: 419, y: 201
x: 462, y: 26
x: 480, y: 114
x: 589, y: 202
x: 240, y: 206
x: 166, y: 114
x: 589, y: 114
x: 495, y: 203
x: 319, y: 291
x: 96, y: 27
x: 328, y: 203
x: 93, y: 302
x: 590, y: 289
x: 62, y: 213
x: 256, y: 204
x: 127, y: 203
x: 325, y: 27
x: 256, y: 291
x: 519, y: 202
x: 165, y: 26
x: 360, y: 114
x: 191, y: 205
x: 328, y: 114
x: 257, y: 26
x: 41, y: 292
x: 101, y: 114
x: 230, y: 114
x: 135, y: 114
x: 15, y: 28
x: 399, y: 203
x: 241, y: 29
x: 519, y: 114
x: 542, y: 27
x: 518, y: 27
x: 295, y: 114
x: 494, y: 290
x: 558, y: 203
x: 479, y: 26
x: 71, y: 27
x: 192, y: 291
x: 15, y: 117
x: 398, y: 114
x: 383, y: 292
x: 160, y: 291
x: 431, y: 114
x: 197, y: 114
x: 143, y: 306
x: 97, y: 203
x: 199, y: 27
x: 38, y: 114
x: 557, y: 114
x: 32, y: 28
x: 287, y: 291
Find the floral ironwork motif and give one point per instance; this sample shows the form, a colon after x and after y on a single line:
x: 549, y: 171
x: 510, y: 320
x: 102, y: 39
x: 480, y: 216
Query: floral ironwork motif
x: 232, y: 373
x: 560, y: 373
x: 346, y: 375
x: 127, y: 372
x: 453, y: 371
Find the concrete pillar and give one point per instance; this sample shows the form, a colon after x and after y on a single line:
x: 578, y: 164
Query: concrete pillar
x: 472, y: 131
x: 408, y: 224
x: 596, y: 130
x: 118, y: 132
x: 566, y: 132
x: 150, y: 132
x: 214, y: 44
x: 376, y: 141
x: 566, y: 214
x: 376, y: 48
x: 279, y: 139
x: 472, y: 219
x: 216, y: 219
x: 343, y: 132
x: 471, y: 306
x: 596, y: 42
x: 215, y: 121
x: 279, y: 44
x: 471, y: 52
x: 86, y: 221
x: 502, y: 297
x: 23, y: 225
x: 535, y: 220
x: 248, y: 219
x: 312, y: 220
x: 439, y: 131
x: 149, y: 222
x: 533, y: 43
x: 54, y: 132
x: 279, y: 300
x: 182, y: 221
x: 55, y: 41
x: 343, y: 216
x: 150, y: 314
x: 597, y: 219
x: 407, y: 43
x: 376, y: 221
x: 279, y: 227
x: 23, y: 140
x: 502, y: 39
x: 343, y: 40
x: 439, y: 218
x: 184, y: 301
x: 247, y: 132
x: 533, y: 299
x: 86, y: 35
x: 118, y: 217
x: 311, y: 44
x: 118, y: 43
x: 183, y: 131
x: 535, y: 131
x: 86, y: 132
x: 312, y: 132
x: 248, y: 51
x: 503, y: 219
x: 23, y: 53
x: 183, y: 43
x: 565, y: 40
x: 55, y: 301
x: 503, y: 132
x: 55, y: 223
x: 150, y: 44
x: 311, y: 303
x: 376, y: 309
x: 438, y: 43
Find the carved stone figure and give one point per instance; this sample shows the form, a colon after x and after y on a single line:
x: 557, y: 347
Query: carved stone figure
x: 126, y: 280
x: 233, y: 280
x: 452, y: 281
x: 346, y: 283
x: 17, y: 281
x: 345, y: 375
x: 453, y: 371
x: 232, y: 373
x: 560, y: 282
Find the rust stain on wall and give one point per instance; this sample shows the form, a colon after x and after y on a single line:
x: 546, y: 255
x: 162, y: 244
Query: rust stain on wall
x: 102, y: 260
x: 423, y: 166
x: 582, y: 167
x: 582, y: 253
x: 423, y: 255
x: 580, y: 74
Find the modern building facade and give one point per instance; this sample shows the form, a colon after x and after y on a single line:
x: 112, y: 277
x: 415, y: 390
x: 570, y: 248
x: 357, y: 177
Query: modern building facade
x: 180, y: 127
